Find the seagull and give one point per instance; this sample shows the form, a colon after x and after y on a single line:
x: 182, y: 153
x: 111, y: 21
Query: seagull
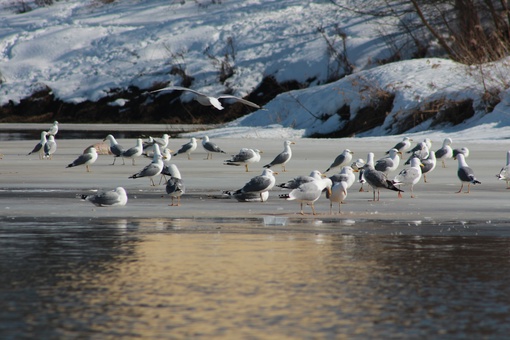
x: 112, y: 198
x: 248, y: 196
x: 390, y: 163
x: 175, y: 186
x: 167, y: 170
x: 245, y: 156
x: 207, y: 100
x: 309, y: 193
x: 259, y: 184
x: 357, y: 166
x: 428, y: 165
x: 210, y: 147
x: 402, y: 146
x: 377, y: 179
x: 338, y: 195
x: 135, y: 151
x: 188, y: 148
x: 115, y: 148
x: 88, y: 157
x: 162, y: 142
x: 154, y: 168
x: 343, y: 159
x: 409, y: 176
x: 419, y: 146
x: 463, y: 150
x: 283, y: 157
x: 346, y: 175
x: 50, y: 147
x: 422, y: 154
x: 297, y: 181
x: 39, y: 147
x: 53, y: 129
x: 465, y: 173
x: 504, y: 173
x: 445, y: 152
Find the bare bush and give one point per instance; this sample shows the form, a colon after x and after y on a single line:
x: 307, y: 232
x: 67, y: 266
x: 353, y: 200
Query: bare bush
x: 224, y: 64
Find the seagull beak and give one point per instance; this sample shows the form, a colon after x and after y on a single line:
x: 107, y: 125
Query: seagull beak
x: 328, y: 189
x: 275, y: 173
x: 292, y: 142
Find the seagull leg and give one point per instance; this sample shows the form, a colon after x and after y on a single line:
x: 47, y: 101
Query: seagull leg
x: 88, y: 169
x: 400, y: 194
x: 331, y: 207
x: 412, y: 192
x: 339, y: 208
x: 301, y: 212
x: 246, y: 166
x: 313, y: 209
x: 153, y: 184
x: 460, y: 190
x: 469, y: 184
x: 114, y: 159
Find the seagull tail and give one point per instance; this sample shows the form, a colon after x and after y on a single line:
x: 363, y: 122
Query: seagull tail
x: 230, y: 163
x: 134, y: 176
x: 70, y: 165
x: 391, y: 186
x: 268, y: 165
x: 284, y: 196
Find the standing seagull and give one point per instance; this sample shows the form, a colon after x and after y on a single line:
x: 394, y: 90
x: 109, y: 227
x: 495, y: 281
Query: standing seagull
x: 297, y: 181
x: 283, y: 157
x: 445, y: 152
x: 428, y: 165
x: 53, y: 129
x: 245, y: 156
x: 50, y: 147
x: 390, y: 163
x: 115, y: 148
x: 504, y: 173
x: 259, y: 184
x: 338, y: 195
x: 377, y: 179
x: 112, y: 198
x: 409, y: 176
x: 346, y: 175
x: 39, y: 147
x: 188, y: 148
x: 343, y: 159
x: 402, y: 146
x: 135, y: 151
x: 162, y: 142
x: 465, y: 173
x: 175, y: 186
x: 210, y: 147
x: 154, y: 168
x: 88, y: 157
x: 308, y: 193
x: 206, y: 100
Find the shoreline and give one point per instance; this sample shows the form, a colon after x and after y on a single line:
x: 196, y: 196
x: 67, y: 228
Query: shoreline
x: 32, y: 188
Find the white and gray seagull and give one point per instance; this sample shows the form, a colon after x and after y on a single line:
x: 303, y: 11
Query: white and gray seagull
x: 175, y: 186
x: 245, y: 156
x: 402, y: 146
x: 39, y: 147
x: 308, y: 193
x: 187, y: 148
x: 152, y: 169
x: 111, y: 198
x: 297, y: 181
x: 377, y: 179
x: 259, y: 184
x: 210, y: 147
x: 445, y: 152
x: 504, y: 173
x: 283, y: 157
x: 342, y: 159
x: 409, y: 176
x: 465, y: 174
x: 88, y: 158
x: 133, y: 152
x: 115, y: 148
x: 207, y: 100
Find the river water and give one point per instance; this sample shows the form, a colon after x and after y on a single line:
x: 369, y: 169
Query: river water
x: 173, y: 278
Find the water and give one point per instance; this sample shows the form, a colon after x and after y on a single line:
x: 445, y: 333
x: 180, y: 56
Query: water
x: 165, y: 278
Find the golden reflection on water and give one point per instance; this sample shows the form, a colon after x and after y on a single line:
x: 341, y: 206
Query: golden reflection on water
x: 289, y: 285
x: 263, y: 286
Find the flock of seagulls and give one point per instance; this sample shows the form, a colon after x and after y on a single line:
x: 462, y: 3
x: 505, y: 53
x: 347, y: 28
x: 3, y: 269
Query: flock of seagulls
x: 379, y: 174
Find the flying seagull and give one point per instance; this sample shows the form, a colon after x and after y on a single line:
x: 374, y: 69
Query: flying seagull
x: 207, y: 100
